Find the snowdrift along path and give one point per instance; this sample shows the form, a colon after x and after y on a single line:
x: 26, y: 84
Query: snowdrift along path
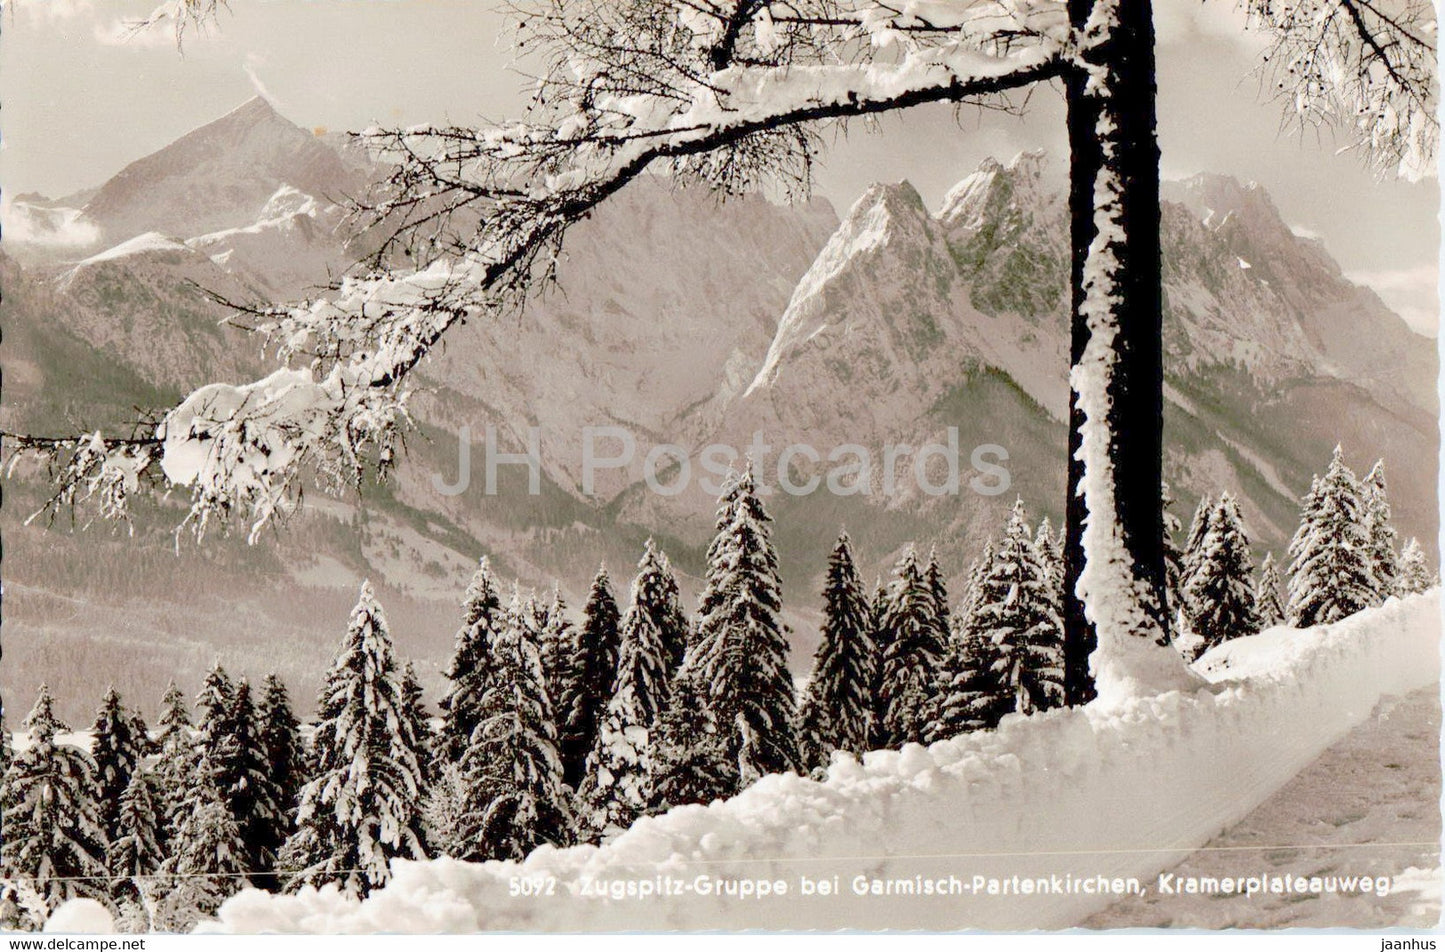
x: 1114, y: 792
x: 1367, y: 807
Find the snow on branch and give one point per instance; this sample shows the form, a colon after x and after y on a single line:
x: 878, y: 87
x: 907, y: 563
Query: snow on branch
x: 181, y: 17
x: 730, y: 96
x: 1365, y: 66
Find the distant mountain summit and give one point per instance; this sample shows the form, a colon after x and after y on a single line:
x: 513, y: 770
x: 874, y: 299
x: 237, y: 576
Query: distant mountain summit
x: 218, y: 176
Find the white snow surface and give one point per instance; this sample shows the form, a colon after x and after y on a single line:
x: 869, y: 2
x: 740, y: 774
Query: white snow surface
x: 1125, y: 790
x: 81, y: 917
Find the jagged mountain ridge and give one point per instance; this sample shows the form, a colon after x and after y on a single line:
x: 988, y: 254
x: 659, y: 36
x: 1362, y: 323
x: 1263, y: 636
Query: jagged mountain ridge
x: 687, y: 322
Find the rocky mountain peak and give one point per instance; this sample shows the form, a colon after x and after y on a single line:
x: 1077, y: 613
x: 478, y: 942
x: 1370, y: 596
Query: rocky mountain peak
x: 219, y: 175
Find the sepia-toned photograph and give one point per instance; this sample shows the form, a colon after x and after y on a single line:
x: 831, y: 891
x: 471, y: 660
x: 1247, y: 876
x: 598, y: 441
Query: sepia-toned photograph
x: 770, y: 466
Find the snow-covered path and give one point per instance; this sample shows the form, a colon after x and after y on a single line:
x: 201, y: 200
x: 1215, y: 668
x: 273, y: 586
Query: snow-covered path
x: 1369, y: 806
x: 1039, y: 818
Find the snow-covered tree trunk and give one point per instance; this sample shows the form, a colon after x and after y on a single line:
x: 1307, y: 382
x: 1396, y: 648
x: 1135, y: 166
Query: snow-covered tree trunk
x: 1116, y: 616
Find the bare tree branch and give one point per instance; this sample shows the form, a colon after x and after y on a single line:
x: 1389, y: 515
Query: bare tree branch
x: 1364, y: 67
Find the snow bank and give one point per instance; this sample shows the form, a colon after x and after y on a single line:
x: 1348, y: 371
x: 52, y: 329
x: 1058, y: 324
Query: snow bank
x: 1119, y: 792
x: 80, y: 917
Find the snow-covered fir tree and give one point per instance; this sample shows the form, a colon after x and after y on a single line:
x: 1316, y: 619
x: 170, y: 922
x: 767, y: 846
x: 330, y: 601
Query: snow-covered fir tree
x: 1198, y: 527
x: 1331, y: 565
x: 882, y: 636
x: 116, y: 751
x: 284, y: 750
x: 207, y: 862
x: 471, y: 668
x: 414, y: 707
x: 974, y: 695
x: 650, y: 640
x: 938, y: 591
x: 559, y: 641
x: 516, y: 797
x: 213, y: 707
x: 363, y: 806
x: 836, y: 710
x: 690, y: 758
x: 138, y: 850
x: 447, y: 800
x: 913, y: 660
x: 1049, y: 550
x: 589, y: 687
x: 1220, y: 593
x: 741, y: 656
x: 243, y: 777
x: 617, y: 787
x: 176, y: 743
x: 672, y: 619
x: 1414, y: 574
x: 1384, y: 560
x: 1016, y: 611
x: 1268, y: 603
x: 53, y: 833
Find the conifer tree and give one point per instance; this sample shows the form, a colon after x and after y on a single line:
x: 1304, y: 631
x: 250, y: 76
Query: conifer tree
x: 176, y: 743
x: 975, y: 697
x: 53, y: 833
x: 208, y: 857
x: 1198, y: 526
x: 447, y: 801
x: 213, y: 706
x: 281, y: 741
x: 1268, y: 605
x: 690, y: 759
x: 837, y: 706
x: 594, y: 668
x: 137, y: 849
x: 913, y: 661
x: 1220, y: 592
x: 742, y: 651
x: 242, y: 774
x: 414, y: 707
x: 882, y: 637
x: 363, y: 806
x: 559, y: 642
x: 116, y: 753
x: 938, y: 591
x: 1049, y: 551
x: 1016, y: 612
x: 676, y: 629
x: 471, y: 669
x: 1331, y: 571
x: 982, y: 587
x: 1384, y: 560
x: 1414, y: 575
x: 516, y: 797
x: 618, y: 783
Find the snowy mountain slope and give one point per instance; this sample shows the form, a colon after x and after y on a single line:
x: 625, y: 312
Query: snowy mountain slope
x: 666, y: 301
x: 218, y: 176
x: 143, y: 302
x: 1257, y: 393
x: 295, y: 246
x: 1040, y: 799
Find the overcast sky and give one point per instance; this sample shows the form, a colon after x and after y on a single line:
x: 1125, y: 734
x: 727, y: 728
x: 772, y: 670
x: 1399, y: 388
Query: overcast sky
x: 83, y: 96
